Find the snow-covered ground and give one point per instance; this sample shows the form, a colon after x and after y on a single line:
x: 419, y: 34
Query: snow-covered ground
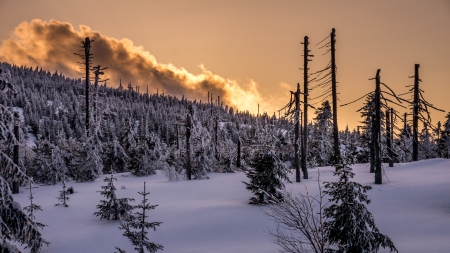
x: 413, y: 208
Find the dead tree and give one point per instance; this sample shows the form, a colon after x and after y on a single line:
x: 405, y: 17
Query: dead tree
x: 86, y: 61
x: 238, y: 159
x: 188, y: 146
x: 296, y: 132
x: 374, y: 111
x: 337, y: 152
x: 305, y: 105
x: 376, y: 127
x: 15, y: 184
x: 416, y: 113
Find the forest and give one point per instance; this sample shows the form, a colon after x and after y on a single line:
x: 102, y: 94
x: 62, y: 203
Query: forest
x: 56, y: 129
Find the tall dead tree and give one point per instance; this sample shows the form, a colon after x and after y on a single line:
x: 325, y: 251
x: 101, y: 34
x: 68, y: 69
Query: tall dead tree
x: 238, y: 159
x: 86, y: 61
x: 337, y: 152
x: 188, y: 146
x: 416, y: 114
x: 419, y: 111
x: 376, y: 127
x: 15, y: 184
x: 296, y: 134
x: 305, y: 105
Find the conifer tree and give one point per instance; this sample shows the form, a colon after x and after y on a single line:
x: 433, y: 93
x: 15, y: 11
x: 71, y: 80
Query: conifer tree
x: 112, y: 208
x: 141, y: 162
x: 15, y: 224
x: 48, y: 165
x: 32, y: 208
x: 444, y: 141
x: 350, y: 226
x: 136, y: 227
x: 90, y: 165
x: 321, y: 144
x: 427, y: 145
x: 63, y: 196
x: 267, y: 176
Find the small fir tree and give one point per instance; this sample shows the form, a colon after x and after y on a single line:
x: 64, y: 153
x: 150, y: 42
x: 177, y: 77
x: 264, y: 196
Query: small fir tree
x: 112, y: 208
x: 63, y: 196
x: 267, y: 176
x: 32, y: 208
x: 350, y: 226
x: 136, y: 227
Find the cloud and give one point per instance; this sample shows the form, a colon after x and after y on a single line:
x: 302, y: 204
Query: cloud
x: 51, y: 45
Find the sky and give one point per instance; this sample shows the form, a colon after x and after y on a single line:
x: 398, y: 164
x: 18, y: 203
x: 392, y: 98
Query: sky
x: 248, y: 52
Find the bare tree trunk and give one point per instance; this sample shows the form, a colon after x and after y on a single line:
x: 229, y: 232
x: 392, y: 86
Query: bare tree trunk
x: 376, y: 130
x: 416, y: 114
x: 15, y: 184
x: 305, y: 107
x: 238, y: 160
x: 178, y: 139
x: 337, y: 152
x: 87, y: 55
x: 188, y: 146
x: 296, y: 137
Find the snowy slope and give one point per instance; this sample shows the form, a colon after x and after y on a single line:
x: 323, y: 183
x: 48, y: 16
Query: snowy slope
x: 413, y: 208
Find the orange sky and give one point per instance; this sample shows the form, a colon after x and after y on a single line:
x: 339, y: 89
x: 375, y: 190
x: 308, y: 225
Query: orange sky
x: 254, y: 47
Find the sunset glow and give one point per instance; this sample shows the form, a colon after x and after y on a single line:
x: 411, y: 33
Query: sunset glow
x: 246, y: 52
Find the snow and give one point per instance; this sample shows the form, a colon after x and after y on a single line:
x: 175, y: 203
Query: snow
x: 412, y: 208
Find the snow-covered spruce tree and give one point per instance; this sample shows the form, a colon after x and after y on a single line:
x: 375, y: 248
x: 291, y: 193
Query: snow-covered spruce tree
x: 48, y: 166
x: 136, y: 227
x: 267, y: 176
x: 321, y: 144
x: 405, y: 143
x: 32, y: 208
x: 90, y: 165
x: 350, y: 226
x: 444, y: 141
x: 427, y: 145
x: 141, y: 162
x: 115, y: 157
x: 63, y: 196
x: 112, y: 208
x: 15, y: 224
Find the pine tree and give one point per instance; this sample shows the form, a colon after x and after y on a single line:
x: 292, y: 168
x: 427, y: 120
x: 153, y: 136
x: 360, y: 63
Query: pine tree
x: 32, y: 208
x: 350, y: 225
x: 90, y: 165
x: 63, y: 196
x: 48, y: 165
x: 444, y: 141
x: 112, y: 208
x: 141, y: 162
x: 321, y: 145
x: 427, y: 145
x: 135, y: 227
x: 15, y: 224
x: 266, y: 176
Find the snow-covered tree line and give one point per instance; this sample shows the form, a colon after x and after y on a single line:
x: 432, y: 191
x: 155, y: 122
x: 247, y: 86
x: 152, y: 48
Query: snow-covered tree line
x: 141, y: 133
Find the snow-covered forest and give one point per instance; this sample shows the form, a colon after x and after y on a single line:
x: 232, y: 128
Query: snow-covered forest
x: 158, y: 138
